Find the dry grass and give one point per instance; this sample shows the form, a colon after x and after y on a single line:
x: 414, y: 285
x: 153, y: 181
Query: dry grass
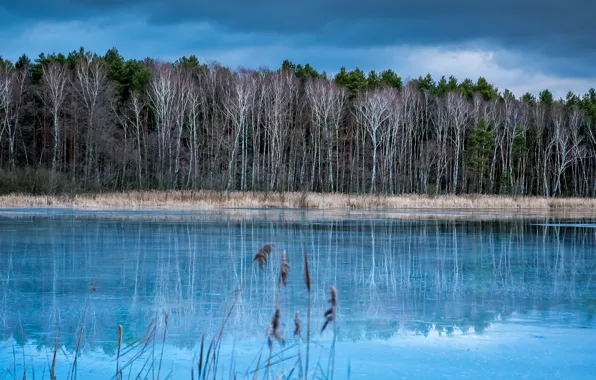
x: 297, y: 324
x: 207, y: 364
x: 273, y: 332
x: 263, y: 255
x: 330, y: 313
x: 285, y: 269
x: 215, y: 200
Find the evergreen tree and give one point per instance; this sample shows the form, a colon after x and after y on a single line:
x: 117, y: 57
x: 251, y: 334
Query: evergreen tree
x: 427, y: 83
x: 546, y: 97
x: 468, y: 88
x: 390, y: 78
x: 481, y: 143
x: 487, y: 90
x: 353, y: 81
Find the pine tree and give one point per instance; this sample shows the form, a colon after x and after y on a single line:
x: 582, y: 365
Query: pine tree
x: 480, y: 147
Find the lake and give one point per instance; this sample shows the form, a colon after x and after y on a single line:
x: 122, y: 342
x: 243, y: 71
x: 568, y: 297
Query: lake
x: 417, y: 297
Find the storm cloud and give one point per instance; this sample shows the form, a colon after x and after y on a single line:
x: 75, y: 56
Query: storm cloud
x: 557, y: 38
x: 547, y: 25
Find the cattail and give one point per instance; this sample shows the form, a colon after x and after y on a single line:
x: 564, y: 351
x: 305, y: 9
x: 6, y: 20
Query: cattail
x: 298, y: 324
x: 333, y: 299
x: 93, y: 286
x: 306, y: 272
x: 307, y: 280
x: 263, y: 254
x: 285, y: 268
x: 273, y: 330
x: 330, y: 313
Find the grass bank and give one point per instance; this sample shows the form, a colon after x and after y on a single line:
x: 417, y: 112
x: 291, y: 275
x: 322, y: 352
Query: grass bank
x: 214, y: 200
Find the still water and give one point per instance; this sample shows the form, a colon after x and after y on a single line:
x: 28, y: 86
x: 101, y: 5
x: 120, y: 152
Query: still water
x: 417, y: 297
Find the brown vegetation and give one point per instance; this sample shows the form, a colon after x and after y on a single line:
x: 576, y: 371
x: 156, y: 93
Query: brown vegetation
x: 330, y: 313
x: 214, y: 200
x: 263, y: 254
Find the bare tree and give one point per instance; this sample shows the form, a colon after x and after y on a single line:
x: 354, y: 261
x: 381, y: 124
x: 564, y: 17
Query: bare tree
x: 373, y: 110
x: 6, y: 89
x: 13, y: 89
x: 575, y: 121
x: 163, y: 95
x: 238, y: 98
x: 394, y: 142
x: 411, y: 105
x: 441, y: 129
x: 563, y: 143
x: 209, y: 84
x: 90, y: 84
x: 540, y: 118
x: 54, y: 90
x: 131, y: 116
x: 458, y: 110
x: 326, y: 101
x: 183, y: 83
x: 195, y: 99
x: 279, y: 89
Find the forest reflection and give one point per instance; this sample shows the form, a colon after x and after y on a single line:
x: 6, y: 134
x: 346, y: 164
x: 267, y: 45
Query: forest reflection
x: 393, y: 277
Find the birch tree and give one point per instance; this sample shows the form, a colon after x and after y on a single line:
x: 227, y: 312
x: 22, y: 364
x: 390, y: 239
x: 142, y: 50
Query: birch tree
x: 90, y: 85
x: 373, y: 110
x: 195, y: 100
x: 183, y: 84
x: 6, y: 90
x: 326, y: 101
x: 163, y: 95
x: 54, y: 90
x: 280, y: 89
x: 238, y: 98
x: 13, y: 89
x: 458, y: 111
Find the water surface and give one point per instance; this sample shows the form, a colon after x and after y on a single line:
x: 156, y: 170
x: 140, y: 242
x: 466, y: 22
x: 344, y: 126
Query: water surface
x: 418, y: 297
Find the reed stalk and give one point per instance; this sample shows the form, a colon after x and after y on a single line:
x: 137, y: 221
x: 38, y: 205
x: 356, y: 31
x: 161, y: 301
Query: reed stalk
x: 82, y: 329
x: 118, y: 374
x: 307, y: 281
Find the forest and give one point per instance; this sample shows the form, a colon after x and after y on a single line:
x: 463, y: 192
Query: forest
x: 84, y: 122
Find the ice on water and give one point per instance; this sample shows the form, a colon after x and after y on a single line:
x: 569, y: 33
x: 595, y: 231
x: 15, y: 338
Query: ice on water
x: 417, y: 298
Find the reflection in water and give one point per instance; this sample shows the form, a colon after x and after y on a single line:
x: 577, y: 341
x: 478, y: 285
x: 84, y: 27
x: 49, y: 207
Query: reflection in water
x: 395, y: 279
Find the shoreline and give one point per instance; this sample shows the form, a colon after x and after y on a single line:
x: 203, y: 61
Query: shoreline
x: 205, y: 199
x: 401, y: 206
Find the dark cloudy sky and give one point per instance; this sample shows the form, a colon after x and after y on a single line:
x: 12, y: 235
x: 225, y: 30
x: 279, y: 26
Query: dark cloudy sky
x: 523, y: 45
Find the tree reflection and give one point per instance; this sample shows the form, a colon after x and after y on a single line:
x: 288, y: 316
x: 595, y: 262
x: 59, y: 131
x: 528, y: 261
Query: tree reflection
x: 393, y: 277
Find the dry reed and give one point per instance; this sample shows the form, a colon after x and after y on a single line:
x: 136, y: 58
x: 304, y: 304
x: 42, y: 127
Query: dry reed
x: 53, y: 367
x: 307, y: 281
x: 208, y: 363
x: 330, y: 313
x: 297, y: 325
x: 163, y: 342
x: 118, y: 372
x: 273, y: 332
x: 263, y: 255
x: 306, y: 271
x: 200, y: 364
x: 92, y: 289
x: 206, y: 199
x: 285, y: 269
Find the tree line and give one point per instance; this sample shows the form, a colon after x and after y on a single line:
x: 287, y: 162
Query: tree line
x: 89, y: 122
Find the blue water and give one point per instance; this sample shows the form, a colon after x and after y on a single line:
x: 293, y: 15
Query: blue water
x: 417, y: 298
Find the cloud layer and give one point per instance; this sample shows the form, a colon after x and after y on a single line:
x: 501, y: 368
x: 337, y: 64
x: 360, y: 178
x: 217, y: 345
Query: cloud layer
x: 521, y: 45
